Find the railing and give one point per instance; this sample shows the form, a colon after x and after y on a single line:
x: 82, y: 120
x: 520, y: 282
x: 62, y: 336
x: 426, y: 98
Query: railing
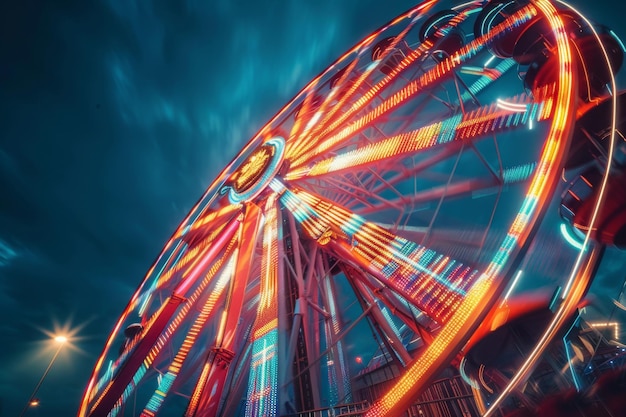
x: 344, y: 410
x: 354, y: 409
x: 447, y: 397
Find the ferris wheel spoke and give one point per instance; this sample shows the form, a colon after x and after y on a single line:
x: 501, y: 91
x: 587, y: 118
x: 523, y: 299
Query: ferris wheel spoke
x: 140, y: 354
x: 329, y: 141
x: 365, y: 198
x: 426, y: 278
x: 468, y: 239
x: 381, y: 316
x: 412, y: 317
x: 159, y: 315
x: 210, y: 384
x: 500, y: 116
x: 451, y: 190
x: 414, y: 168
x: 310, y: 113
x: 348, y: 86
x: 206, y: 220
x: 352, y: 188
x: 183, y: 247
x: 207, y: 312
x: 506, y: 175
x: 488, y: 186
x: 486, y: 77
x: 192, y: 254
x: 313, y: 106
x: 193, y: 233
x: 330, y: 123
x: 353, y: 192
x: 168, y: 259
x: 205, y: 202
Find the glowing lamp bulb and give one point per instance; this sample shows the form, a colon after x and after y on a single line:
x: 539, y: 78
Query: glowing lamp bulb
x: 60, y: 339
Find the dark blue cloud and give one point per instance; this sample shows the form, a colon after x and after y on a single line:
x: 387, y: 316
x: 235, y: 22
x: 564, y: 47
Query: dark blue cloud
x: 114, y: 117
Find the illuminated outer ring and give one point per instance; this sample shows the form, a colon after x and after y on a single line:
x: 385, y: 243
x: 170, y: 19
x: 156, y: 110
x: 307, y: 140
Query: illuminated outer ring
x: 270, y: 170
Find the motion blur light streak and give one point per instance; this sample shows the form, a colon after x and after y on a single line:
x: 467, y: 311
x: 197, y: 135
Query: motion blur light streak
x: 614, y: 325
x: 567, y: 235
x: 400, y: 193
x: 263, y: 381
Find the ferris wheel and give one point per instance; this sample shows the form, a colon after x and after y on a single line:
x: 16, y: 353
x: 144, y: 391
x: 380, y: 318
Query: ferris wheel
x: 384, y: 216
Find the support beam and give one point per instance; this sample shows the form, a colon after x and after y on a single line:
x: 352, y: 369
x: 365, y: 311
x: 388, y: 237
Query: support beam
x: 207, y: 394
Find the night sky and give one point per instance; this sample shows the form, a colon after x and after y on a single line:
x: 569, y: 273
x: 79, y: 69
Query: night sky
x: 114, y: 117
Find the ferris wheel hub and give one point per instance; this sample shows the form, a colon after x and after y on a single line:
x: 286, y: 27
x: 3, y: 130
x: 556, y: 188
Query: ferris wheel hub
x: 256, y: 171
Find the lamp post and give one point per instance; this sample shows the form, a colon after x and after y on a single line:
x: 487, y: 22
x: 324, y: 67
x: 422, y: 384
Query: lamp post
x: 32, y: 400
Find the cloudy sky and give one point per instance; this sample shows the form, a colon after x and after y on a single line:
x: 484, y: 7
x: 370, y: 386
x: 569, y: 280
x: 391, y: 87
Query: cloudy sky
x: 114, y: 117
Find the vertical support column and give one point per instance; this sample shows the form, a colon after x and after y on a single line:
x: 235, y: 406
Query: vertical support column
x: 262, y: 397
x: 339, y: 376
x: 206, y: 398
x: 388, y: 332
x: 281, y: 301
x: 311, y: 320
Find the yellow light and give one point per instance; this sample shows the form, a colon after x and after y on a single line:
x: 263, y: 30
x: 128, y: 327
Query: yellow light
x: 325, y: 238
x: 252, y: 168
x: 60, y: 339
x: 613, y: 324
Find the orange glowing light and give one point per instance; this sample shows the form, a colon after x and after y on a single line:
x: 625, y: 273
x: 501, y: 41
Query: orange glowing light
x: 328, y: 139
x: 252, y: 168
x: 324, y: 239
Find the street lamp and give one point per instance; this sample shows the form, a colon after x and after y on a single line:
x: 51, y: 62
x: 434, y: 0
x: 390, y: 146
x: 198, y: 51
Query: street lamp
x: 32, y: 400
